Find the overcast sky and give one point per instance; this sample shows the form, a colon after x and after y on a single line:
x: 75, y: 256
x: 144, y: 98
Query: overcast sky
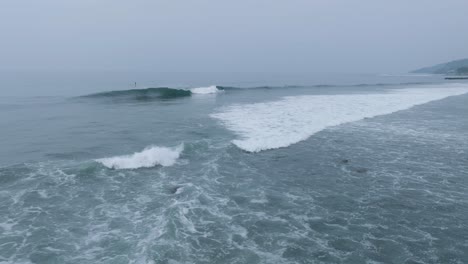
x: 232, y: 36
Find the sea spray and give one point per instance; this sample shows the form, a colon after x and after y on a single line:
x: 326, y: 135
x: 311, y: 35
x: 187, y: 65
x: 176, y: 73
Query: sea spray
x: 205, y: 90
x: 149, y: 157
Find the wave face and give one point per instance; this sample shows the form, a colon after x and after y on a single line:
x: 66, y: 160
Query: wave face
x: 167, y: 93
x: 149, y: 157
x: 149, y: 94
x: 271, y: 125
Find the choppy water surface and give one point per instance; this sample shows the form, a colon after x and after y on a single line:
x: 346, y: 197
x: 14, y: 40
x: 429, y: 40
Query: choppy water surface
x: 360, y: 174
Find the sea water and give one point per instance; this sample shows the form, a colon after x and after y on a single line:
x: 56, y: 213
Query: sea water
x: 372, y: 170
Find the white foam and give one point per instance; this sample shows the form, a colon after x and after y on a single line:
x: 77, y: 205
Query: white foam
x: 149, y: 157
x: 277, y: 124
x: 205, y: 90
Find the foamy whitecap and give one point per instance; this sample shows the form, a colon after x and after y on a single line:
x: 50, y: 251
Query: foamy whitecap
x: 277, y: 124
x: 149, y: 157
x: 205, y: 90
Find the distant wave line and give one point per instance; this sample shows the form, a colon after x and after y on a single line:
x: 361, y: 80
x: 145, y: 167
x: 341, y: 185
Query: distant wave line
x: 162, y: 93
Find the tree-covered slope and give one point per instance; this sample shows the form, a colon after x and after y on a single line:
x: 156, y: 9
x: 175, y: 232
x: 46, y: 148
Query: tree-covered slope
x: 459, y: 67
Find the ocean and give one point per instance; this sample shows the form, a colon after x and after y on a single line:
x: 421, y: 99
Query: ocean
x: 233, y: 168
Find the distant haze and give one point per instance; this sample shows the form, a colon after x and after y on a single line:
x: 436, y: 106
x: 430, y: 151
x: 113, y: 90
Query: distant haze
x: 232, y: 36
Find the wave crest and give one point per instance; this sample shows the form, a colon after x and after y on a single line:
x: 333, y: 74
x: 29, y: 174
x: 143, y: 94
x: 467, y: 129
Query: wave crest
x: 149, y: 157
x: 167, y: 93
x: 205, y: 90
x: 150, y: 94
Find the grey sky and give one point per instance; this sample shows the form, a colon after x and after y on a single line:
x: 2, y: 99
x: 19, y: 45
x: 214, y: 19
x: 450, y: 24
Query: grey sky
x: 241, y: 35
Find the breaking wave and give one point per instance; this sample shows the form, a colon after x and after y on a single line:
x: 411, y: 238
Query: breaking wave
x: 205, y: 90
x: 150, y: 94
x: 277, y: 124
x: 167, y: 93
x: 149, y: 157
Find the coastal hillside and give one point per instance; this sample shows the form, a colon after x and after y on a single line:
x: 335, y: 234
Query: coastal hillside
x: 456, y: 67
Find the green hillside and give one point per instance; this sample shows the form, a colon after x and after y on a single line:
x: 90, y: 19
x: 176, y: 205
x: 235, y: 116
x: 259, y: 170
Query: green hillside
x: 456, y: 67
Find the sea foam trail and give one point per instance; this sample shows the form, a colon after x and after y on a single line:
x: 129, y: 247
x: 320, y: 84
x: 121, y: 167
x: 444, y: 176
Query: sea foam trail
x: 149, y: 157
x: 277, y: 124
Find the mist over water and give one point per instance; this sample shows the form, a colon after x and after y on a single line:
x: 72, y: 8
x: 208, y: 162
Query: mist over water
x: 302, y: 170
x: 248, y: 132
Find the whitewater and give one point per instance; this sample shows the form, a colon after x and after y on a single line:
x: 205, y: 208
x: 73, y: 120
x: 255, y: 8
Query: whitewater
x: 149, y: 157
x: 366, y: 171
x: 271, y: 125
x: 205, y: 90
